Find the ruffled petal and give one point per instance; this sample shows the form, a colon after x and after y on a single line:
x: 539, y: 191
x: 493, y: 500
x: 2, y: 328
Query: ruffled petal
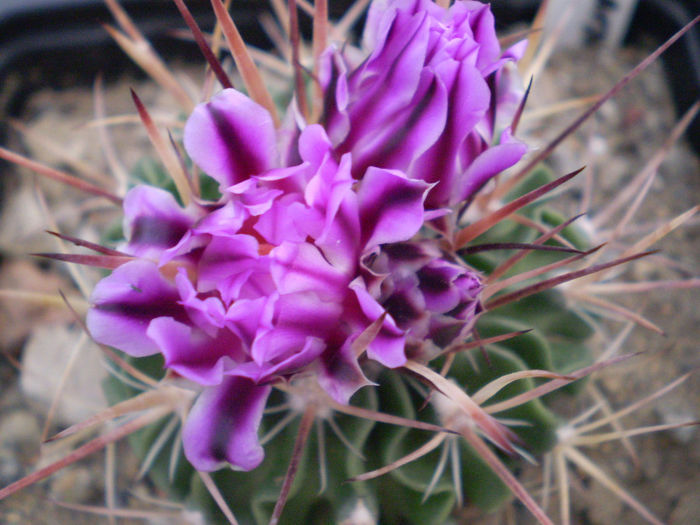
x: 333, y: 77
x: 226, y: 264
x: 308, y: 352
x: 388, y: 347
x: 437, y: 285
x: 339, y: 373
x: 302, y: 267
x: 208, y: 313
x: 226, y: 220
x: 222, y: 426
x: 124, y: 304
x: 231, y: 138
x: 334, y: 221
x: 391, y: 206
x: 247, y: 317
x: 490, y: 163
x: 256, y: 198
x: 397, y: 141
x: 387, y: 82
x: 481, y: 22
x: 153, y: 221
x: 298, y: 316
x: 314, y: 145
x: 284, y: 221
x: 192, y: 353
x: 468, y: 100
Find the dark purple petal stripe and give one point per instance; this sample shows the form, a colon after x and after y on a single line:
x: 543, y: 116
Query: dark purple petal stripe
x: 222, y: 426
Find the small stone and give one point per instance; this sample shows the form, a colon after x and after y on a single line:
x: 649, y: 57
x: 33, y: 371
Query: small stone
x: 686, y: 510
x: 19, y: 429
x: 13, y: 517
x: 46, y: 355
x: 10, y: 466
x: 676, y: 417
x: 74, y: 485
x: 604, y: 507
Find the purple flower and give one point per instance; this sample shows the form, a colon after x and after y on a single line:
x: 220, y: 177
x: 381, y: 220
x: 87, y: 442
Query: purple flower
x: 427, y: 98
x: 432, y: 298
x: 262, y: 285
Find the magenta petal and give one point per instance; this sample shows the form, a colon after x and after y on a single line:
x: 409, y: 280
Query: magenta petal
x: 222, y: 426
x: 187, y: 250
x: 516, y: 51
x: 153, y: 221
x: 334, y: 222
x: 437, y: 284
x: 388, y: 346
x: 482, y: 25
x: 302, y: 267
x: 397, y: 64
x: 245, y: 317
x: 468, y: 101
x: 340, y: 374
x: 125, y: 302
x: 284, y: 221
x: 386, y: 83
x: 314, y: 144
x: 231, y: 138
x: 327, y: 188
x: 226, y: 220
x: 403, y: 136
x: 307, y: 352
x: 257, y: 199
x: 380, y: 18
x: 223, y: 260
x: 208, y: 313
x: 490, y: 163
x: 192, y: 353
x: 333, y: 78
x: 340, y: 240
x: 391, y: 206
x: 298, y: 317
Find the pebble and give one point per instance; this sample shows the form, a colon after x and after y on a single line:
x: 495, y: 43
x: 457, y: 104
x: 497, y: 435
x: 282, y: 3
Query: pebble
x: 10, y: 466
x: 44, y: 361
x: 19, y: 440
x: 74, y: 485
x: 19, y: 429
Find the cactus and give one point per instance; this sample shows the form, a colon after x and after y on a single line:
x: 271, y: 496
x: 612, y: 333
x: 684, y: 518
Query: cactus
x: 331, y: 316
x: 556, y: 340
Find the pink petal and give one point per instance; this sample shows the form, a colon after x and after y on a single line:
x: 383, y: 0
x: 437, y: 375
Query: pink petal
x: 192, y: 353
x: 339, y: 373
x: 391, y: 206
x: 388, y: 346
x: 223, y: 260
x: 222, y: 426
x: 490, y: 163
x: 231, y: 138
x: 307, y: 352
x: 298, y: 317
x: 153, y: 221
x: 302, y: 267
x: 126, y: 301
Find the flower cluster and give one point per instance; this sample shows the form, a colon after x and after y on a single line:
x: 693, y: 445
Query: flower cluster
x: 428, y: 99
x: 312, y: 244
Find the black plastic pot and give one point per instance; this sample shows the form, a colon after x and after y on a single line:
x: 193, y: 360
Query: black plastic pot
x: 660, y: 19
x: 62, y: 42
